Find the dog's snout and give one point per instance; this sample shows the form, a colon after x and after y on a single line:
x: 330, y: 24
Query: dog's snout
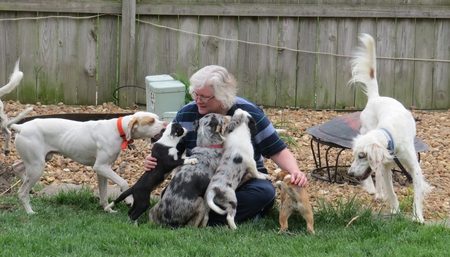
x: 351, y: 173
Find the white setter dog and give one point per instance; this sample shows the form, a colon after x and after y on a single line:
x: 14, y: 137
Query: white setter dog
x: 387, y: 131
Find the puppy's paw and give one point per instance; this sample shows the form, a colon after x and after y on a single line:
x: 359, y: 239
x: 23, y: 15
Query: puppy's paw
x: 264, y: 176
x: 129, y: 201
x: 191, y: 161
x: 109, y: 209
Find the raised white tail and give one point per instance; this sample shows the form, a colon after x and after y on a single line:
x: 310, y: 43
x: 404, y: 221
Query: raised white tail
x: 19, y: 117
x: 14, y: 80
x: 364, y: 66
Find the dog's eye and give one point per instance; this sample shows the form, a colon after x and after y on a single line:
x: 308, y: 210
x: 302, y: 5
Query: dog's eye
x: 361, y: 155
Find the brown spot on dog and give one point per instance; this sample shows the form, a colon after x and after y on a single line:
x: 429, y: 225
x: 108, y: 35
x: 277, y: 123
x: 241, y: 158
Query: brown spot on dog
x: 372, y: 73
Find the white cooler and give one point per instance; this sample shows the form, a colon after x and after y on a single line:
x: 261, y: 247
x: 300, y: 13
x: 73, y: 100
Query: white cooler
x: 165, y: 96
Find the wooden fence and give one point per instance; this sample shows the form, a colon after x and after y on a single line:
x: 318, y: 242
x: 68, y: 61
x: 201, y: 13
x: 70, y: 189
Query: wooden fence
x: 283, y: 53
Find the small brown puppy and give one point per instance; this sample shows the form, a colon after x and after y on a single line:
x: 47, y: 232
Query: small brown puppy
x: 293, y: 199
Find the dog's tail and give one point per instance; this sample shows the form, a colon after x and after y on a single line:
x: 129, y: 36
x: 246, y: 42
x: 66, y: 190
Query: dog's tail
x: 18, y: 118
x: 209, y: 196
x: 294, y: 195
x: 364, y: 66
x: 14, y: 80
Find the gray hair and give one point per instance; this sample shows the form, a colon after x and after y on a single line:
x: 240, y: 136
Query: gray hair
x: 223, y: 84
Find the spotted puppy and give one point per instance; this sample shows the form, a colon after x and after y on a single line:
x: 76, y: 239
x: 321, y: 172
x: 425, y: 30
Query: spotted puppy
x: 167, y: 154
x: 237, y: 158
x: 182, y: 202
x: 293, y: 198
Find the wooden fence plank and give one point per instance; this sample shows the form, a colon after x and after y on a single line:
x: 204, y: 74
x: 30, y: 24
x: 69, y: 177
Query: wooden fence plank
x: 404, y: 79
x: 386, y: 48
x: 167, y: 56
x: 127, y: 54
x: 68, y: 77
x: 287, y: 62
x: 441, y: 78
x: 87, y: 61
x: 9, y: 54
x: 208, y: 44
x: 26, y: 40
x: 147, y: 55
x: 326, y: 64
x: 247, y: 63
x: 324, y: 10
x: 48, y: 90
x: 228, y: 49
x: 423, y: 71
x: 346, y: 36
x: 107, y: 58
x: 187, y: 61
x: 439, y: 9
x: 267, y: 89
x: 306, y: 72
x: 66, y: 6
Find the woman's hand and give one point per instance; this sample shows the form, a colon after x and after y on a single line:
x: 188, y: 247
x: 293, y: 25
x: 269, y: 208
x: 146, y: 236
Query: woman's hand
x: 286, y: 161
x: 299, y: 178
x: 149, y: 162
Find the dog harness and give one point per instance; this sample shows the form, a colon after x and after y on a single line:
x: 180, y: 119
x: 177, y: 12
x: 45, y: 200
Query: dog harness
x: 391, y: 148
x: 122, y: 134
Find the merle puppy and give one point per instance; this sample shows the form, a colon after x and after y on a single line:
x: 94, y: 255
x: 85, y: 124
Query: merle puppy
x: 166, y: 153
x: 237, y: 158
x: 182, y: 202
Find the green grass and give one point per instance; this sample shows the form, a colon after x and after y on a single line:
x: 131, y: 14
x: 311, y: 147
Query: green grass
x: 73, y: 223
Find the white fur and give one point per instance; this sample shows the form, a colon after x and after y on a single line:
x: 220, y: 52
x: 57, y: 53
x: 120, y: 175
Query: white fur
x: 91, y: 143
x: 5, y: 123
x: 370, y: 147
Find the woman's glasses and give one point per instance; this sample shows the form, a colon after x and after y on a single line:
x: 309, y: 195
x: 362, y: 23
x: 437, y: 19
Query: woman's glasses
x: 202, y: 98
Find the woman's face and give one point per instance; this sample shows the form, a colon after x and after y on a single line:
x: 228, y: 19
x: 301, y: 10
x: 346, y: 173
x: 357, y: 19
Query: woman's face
x: 207, y: 102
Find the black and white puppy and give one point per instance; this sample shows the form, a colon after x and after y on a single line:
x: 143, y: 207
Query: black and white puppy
x: 237, y: 158
x: 167, y: 154
x: 182, y: 201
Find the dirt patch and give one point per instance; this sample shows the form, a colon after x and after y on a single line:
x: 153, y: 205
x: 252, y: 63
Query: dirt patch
x: 432, y: 127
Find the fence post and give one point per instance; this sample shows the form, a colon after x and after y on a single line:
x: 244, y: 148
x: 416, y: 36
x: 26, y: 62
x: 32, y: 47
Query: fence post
x: 127, y: 54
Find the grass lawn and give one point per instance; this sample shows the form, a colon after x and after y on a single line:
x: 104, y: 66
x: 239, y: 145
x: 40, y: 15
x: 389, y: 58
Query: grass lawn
x: 73, y: 224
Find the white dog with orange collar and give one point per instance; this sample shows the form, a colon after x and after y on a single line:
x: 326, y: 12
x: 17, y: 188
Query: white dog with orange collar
x: 91, y: 143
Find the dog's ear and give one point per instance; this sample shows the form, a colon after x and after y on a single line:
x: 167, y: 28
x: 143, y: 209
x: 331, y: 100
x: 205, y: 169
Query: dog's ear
x: 195, y: 125
x: 132, y: 125
x: 232, y: 125
x: 215, y: 126
x: 252, y: 126
x: 377, y: 155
